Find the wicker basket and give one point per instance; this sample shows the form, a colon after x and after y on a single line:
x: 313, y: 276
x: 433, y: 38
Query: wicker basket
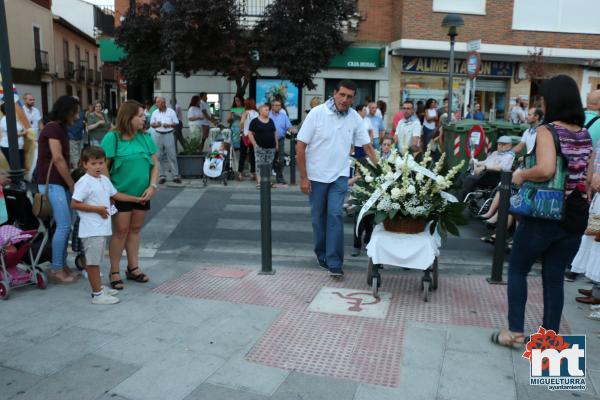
x: 405, y: 225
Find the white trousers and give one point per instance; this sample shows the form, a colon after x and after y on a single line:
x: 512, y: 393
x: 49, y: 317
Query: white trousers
x: 167, y: 153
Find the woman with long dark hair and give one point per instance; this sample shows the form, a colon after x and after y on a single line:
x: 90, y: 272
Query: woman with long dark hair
x: 554, y: 242
x: 53, y: 170
x: 194, y: 116
x: 235, y: 116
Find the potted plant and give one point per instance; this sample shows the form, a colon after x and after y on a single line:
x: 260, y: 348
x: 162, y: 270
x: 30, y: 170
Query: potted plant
x: 405, y: 195
x: 191, y: 158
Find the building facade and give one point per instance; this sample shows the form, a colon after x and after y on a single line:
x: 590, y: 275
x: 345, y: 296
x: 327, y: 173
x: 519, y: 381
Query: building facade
x: 77, y: 63
x: 400, y: 51
x: 566, y: 40
x: 31, y: 44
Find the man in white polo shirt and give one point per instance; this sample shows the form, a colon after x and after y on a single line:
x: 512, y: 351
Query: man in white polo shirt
x: 323, y: 155
x: 164, y: 121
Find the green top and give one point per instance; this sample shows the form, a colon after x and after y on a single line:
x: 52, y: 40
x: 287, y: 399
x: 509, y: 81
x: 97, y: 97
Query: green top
x: 594, y: 130
x: 131, y: 167
x: 99, y: 132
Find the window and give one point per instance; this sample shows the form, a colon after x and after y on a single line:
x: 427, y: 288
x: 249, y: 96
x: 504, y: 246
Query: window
x: 69, y: 90
x: 95, y: 62
x: 90, y: 99
x: 66, y: 50
x: 568, y: 16
x: 77, y: 56
x: 460, y: 6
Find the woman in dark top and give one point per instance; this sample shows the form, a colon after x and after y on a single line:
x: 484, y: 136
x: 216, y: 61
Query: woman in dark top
x: 263, y: 135
x: 53, y: 154
x: 554, y: 242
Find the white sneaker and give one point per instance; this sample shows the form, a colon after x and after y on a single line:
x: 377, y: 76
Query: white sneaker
x: 104, y: 299
x: 594, y: 315
x: 595, y: 307
x: 110, y: 291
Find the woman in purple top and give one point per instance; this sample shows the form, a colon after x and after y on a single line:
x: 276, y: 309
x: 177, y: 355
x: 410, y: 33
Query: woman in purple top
x: 554, y: 242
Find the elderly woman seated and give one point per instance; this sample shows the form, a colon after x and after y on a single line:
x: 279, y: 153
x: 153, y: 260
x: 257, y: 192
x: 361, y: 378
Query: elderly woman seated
x: 487, y: 173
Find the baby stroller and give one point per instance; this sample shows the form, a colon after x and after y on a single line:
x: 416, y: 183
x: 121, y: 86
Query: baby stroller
x: 19, y: 265
x: 218, y: 163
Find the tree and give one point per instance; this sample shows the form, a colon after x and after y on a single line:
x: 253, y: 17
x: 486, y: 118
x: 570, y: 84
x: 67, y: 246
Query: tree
x: 191, y: 35
x: 300, y: 37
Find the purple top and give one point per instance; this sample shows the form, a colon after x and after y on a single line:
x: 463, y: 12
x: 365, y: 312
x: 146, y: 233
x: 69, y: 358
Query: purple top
x: 577, y: 148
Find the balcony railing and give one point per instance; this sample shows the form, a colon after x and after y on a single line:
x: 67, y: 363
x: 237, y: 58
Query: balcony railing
x: 41, y: 61
x: 255, y: 8
x: 81, y: 71
x: 90, y: 75
x: 69, y: 70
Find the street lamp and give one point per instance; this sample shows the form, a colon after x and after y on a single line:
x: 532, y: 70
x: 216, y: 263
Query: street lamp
x: 167, y: 9
x: 452, y: 22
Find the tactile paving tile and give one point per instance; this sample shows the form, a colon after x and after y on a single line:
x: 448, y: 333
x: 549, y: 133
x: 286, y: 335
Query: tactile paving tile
x: 361, y: 349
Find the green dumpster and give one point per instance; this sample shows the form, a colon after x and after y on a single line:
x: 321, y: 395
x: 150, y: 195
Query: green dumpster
x: 456, y: 137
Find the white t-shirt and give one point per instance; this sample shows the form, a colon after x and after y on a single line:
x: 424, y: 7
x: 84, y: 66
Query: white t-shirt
x: 430, y: 112
x: 405, y: 131
x: 204, y: 107
x: 166, y: 117
x: 194, y: 111
x: 529, y: 138
x: 329, y: 138
x: 4, y: 133
x: 34, y: 117
x: 368, y: 126
x: 251, y: 115
x: 96, y: 192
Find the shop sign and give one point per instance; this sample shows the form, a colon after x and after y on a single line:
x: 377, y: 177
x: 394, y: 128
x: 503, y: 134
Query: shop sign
x: 357, y: 57
x: 473, y: 64
x: 440, y: 66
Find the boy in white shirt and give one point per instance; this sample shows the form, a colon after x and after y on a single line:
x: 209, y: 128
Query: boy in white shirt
x: 91, y: 198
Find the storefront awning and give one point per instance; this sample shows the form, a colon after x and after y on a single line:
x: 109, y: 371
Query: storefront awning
x: 359, y: 58
x: 110, y: 52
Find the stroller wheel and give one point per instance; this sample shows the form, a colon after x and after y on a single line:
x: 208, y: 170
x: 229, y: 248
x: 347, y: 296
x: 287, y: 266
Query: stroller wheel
x: 41, y: 278
x: 80, y: 262
x: 4, y: 290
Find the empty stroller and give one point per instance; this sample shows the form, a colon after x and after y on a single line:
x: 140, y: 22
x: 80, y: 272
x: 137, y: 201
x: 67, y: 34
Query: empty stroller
x: 218, y: 164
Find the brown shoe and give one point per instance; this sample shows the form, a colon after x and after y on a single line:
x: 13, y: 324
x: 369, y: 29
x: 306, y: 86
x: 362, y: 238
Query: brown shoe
x: 588, y: 300
x: 585, y: 292
x: 60, y: 276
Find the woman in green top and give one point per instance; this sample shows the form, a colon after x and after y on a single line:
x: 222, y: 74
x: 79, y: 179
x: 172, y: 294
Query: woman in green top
x: 133, y: 167
x: 97, y: 125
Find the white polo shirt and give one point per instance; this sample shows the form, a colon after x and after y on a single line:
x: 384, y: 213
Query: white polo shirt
x: 329, y: 138
x: 34, y: 117
x: 164, y: 117
x: 405, y: 131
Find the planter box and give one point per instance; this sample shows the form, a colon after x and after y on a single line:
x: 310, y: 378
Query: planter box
x: 190, y: 166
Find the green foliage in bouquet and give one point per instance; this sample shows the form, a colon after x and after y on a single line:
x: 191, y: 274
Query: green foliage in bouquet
x: 407, y: 193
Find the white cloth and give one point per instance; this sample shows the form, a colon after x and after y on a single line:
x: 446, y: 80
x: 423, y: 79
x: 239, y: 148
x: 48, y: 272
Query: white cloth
x: 329, y: 138
x: 587, y: 260
x: 251, y: 115
x: 430, y: 112
x: 405, y: 131
x: 194, y: 112
x: 415, y: 251
x: 529, y: 138
x: 164, y: 117
x: 204, y: 107
x: 34, y: 117
x: 96, y: 192
x: 4, y: 133
x: 500, y: 161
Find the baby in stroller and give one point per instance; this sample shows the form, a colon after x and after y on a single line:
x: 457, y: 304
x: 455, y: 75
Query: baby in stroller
x: 216, y: 164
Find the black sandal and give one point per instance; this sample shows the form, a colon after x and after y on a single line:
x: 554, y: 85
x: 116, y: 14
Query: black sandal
x: 113, y: 284
x: 141, y: 277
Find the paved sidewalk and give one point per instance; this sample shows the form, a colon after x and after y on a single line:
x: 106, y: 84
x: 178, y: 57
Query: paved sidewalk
x: 208, y: 326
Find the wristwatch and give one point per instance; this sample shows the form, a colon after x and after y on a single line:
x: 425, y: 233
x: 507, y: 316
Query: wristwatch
x: 154, y: 185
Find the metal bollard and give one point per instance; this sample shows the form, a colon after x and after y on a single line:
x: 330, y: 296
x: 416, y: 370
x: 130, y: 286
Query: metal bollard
x: 501, y: 229
x: 265, y: 220
x: 293, y: 159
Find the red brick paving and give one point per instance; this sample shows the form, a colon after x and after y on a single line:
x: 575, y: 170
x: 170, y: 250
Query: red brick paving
x: 361, y: 349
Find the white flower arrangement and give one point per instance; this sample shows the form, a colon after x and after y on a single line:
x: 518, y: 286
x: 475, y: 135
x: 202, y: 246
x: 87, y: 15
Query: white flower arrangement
x: 409, y: 190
